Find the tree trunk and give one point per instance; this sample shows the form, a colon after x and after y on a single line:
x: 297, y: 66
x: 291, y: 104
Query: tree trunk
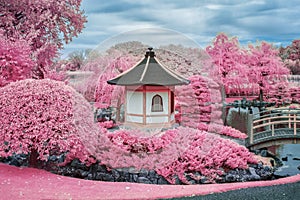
x: 33, y: 158
x: 224, y: 107
x: 261, y: 95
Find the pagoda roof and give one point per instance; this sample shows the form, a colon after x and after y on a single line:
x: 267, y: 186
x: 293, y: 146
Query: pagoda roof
x: 149, y: 71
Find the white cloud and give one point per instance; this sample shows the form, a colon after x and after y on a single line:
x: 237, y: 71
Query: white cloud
x: 275, y: 21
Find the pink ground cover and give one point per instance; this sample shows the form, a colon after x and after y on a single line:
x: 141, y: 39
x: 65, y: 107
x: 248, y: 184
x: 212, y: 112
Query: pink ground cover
x: 30, y: 183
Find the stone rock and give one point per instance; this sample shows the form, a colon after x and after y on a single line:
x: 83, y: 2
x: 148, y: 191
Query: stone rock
x: 143, y: 180
x: 253, y: 173
x: 115, y: 174
x: 78, y: 165
x: 143, y: 172
x: 162, y: 181
x: 104, y: 177
x: 101, y: 168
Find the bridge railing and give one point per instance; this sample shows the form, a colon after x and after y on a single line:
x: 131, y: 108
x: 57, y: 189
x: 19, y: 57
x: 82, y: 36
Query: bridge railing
x: 273, y: 123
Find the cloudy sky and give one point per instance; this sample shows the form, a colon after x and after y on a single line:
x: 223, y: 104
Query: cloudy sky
x: 199, y: 21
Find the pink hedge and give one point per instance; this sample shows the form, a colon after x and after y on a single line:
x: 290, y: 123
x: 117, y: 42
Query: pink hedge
x: 45, y: 116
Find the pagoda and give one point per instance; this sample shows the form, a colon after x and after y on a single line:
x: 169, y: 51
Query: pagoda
x: 149, y: 93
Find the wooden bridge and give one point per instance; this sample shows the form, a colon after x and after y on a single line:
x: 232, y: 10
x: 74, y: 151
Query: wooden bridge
x: 273, y: 127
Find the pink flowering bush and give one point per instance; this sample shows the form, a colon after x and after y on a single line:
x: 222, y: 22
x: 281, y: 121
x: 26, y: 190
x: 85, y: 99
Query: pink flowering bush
x: 45, y: 117
x: 207, y: 154
x: 295, y: 94
x: 278, y: 93
x: 134, y: 142
x: 174, y: 153
x: 227, y: 131
x: 194, y: 102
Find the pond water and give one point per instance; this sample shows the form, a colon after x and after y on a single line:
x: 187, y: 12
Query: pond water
x: 289, y: 154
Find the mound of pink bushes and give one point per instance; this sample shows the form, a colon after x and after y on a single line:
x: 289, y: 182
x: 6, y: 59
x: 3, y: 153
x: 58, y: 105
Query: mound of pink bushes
x: 44, y: 117
x: 176, y: 153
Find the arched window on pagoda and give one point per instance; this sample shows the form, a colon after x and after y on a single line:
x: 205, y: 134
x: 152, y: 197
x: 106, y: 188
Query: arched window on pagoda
x: 157, y: 104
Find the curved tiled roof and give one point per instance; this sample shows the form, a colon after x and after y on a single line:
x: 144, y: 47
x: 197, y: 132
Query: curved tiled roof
x: 149, y: 71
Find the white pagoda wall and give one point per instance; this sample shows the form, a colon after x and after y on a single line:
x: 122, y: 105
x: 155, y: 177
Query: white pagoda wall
x: 134, y: 105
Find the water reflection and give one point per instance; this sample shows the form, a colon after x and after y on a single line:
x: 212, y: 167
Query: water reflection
x: 289, y: 154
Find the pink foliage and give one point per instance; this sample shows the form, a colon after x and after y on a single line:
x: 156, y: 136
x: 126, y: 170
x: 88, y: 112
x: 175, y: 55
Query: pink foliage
x: 199, y: 102
x: 295, y: 94
x: 194, y: 102
x: 278, y: 93
x: 104, y: 67
x: 15, y: 60
x: 134, y: 142
x: 174, y: 153
x: 265, y: 64
x: 106, y: 124
x: 228, y: 57
x: 44, y: 24
x: 200, y: 107
x: 245, y: 71
x: 226, y: 130
x: 209, y: 155
x: 45, y: 116
x: 105, y: 93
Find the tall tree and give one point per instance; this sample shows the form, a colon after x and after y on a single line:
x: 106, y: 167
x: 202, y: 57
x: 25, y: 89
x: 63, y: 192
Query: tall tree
x: 228, y: 56
x: 44, y: 24
x: 265, y: 66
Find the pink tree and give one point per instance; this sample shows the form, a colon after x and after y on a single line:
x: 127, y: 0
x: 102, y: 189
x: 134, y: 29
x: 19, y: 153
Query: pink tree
x: 15, y: 60
x: 104, y: 92
x: 45, y: 117
x: 229, y: 69
x: 105, y: 65
x: 44, y: 24
x: 265, y: 66
x: 244, y: 71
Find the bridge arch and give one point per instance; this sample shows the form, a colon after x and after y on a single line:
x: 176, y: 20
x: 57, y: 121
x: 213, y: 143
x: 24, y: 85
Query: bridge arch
x: 273, y: 127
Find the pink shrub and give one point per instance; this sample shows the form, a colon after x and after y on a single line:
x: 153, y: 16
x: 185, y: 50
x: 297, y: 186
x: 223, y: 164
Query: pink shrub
x: 106, y: 124
x: 194, y: 102
x: 200, y: 107
x: 134, y: 142
x: 278, y: 93
x: 295, y: 94
x: 227, y: 131
x: 45, y: 117
x: 209, y: 155
x: 175, y: 153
